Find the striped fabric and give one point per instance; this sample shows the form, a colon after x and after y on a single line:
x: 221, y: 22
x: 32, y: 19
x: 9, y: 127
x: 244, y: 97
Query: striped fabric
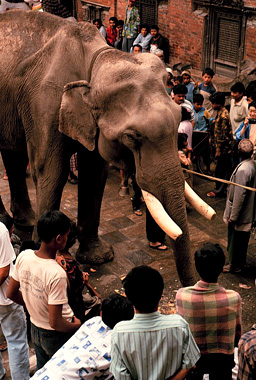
x: 247, y: 356
x: 213, y: 314
x: 152, y: 346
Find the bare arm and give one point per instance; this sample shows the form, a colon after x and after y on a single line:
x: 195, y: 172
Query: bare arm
x: 88, y: 285
x: 14, y: 293
x: 4, y: 273
x: 58, y: 323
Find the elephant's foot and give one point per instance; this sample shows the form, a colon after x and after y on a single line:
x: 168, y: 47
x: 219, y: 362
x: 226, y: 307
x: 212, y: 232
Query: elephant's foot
x: 95, y: 252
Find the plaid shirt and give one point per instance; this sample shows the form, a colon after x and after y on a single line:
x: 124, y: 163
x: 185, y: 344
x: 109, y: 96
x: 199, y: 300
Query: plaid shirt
x: 247, y: 356
x: 213, y: 314
x: 223, y: 131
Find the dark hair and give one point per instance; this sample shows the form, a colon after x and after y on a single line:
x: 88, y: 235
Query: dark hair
x: 218, y: 98
x: 198, y: 98
x: 154, y: 27
x: 238, y: 87
x: 72, y: 236
x: 144, y: 287
x: 98, y: 20
x: 252, y: 95
x: 51, y: 224
x: 137, y: 45
x: 116, y: 308
x: 182, y: 137
x: 178, y: 78
x: 185, y: 114
x: 209, y: 72
x: 251, y: 88
x: 180, y: 89
x: 146, y: 26
x: 252, y: 104
x: 7, y: 220
x: 120, y: 22
x: 209, y: 261
x: 114, y: 19
x: 29, y: 244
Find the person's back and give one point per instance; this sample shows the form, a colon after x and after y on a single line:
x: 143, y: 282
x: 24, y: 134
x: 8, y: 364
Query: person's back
x: 247, y: 355
x: 151, y: 346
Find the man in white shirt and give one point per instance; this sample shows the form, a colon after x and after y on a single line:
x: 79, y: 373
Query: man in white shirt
x: 238, y: 106
x: 12, y: 317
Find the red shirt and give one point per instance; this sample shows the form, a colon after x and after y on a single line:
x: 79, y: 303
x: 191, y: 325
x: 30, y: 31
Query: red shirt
x: 111, y: 35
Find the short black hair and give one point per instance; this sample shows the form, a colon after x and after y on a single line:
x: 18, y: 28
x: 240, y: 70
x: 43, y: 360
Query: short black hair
x: 209, y: 261
x: 185, y: 114
x: 29, y: 244
x: 252, y: 104
x: 120, y: 22
x: 251, y: 88
x: 238, y: 87
x: 72, y: 236
x: 208, y: 71
x: 154, y: 27
x: 218, y: 98
x: 143, y: 287
x: 180, y: 89
x: 51, y: 224
x: 7, y: 220
x: 137, y: 45
x: 98, y: 20
x: 116, y: 308
x: 182, y: 137
x: 146, y: 26
x: 252, y: 95
x: 198, y: 98
x: 114, y: 19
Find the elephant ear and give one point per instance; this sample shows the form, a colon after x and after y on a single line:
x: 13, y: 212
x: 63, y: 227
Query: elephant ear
x: 75, y: 118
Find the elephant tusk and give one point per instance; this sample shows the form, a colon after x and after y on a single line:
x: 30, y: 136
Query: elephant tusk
x: 161, y: 217
x: 199, y: 205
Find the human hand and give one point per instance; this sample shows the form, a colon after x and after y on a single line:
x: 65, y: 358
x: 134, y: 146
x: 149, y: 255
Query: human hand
x: 76, y: 322
x: 246, y: 121
x: 196, y: 84
x: 86, y: 278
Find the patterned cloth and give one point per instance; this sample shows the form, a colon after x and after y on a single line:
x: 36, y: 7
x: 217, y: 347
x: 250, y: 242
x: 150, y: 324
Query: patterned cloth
x: 247, y: 356
x: 222, y: 131
x: 86, y: 355
x: 213, y: 314
x: 73, y: 163
x: 131, y: 22
x: 63, y: 8
x: 152, y: 346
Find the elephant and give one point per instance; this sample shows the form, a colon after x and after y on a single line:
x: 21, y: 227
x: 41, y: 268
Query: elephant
x: 62, y: 90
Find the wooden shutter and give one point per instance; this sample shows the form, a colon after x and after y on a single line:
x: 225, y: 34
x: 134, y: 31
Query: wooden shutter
x: 148, y: 11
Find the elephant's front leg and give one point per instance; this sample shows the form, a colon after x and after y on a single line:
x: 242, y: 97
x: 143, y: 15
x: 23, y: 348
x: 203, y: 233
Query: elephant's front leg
x: 92, y: 176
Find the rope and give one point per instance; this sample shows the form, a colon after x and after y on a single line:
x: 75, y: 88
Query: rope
x: 219, y: 179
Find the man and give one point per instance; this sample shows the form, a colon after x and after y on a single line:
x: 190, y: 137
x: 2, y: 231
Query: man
x: 151, y: 346
x: 247, y: 356
x: 131, y: 25
x: 179, y: 94
x: 87, y: 354
x: 12, y: 317
x: 158, y: 42
x: 222, y: 140
x: 239, y: 213
x: 213, y: 314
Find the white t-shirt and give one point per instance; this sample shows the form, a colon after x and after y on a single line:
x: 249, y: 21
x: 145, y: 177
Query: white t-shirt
x: 7, y: 256
x: 42, y: 282
x: 186, y: 127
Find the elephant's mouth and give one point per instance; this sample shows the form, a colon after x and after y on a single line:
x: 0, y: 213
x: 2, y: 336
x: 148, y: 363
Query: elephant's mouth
x: 165, y: 222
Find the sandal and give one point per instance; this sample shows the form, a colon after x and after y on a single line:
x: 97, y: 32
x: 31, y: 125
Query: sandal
x: 159, y: 247
x: 211, y: 194
x: 137, y: 212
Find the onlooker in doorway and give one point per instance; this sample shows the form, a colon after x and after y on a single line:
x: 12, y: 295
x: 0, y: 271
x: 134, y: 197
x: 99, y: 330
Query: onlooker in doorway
x: 247, y: 355
x: 111, y: 31
x: 131, y: 25
x: 98, y: 23
x: 213, y: 314
x: 143, y: 38
x: 238, y: 106
x: 240, y: 209
x: 158, y: 42
x: 206, y: 88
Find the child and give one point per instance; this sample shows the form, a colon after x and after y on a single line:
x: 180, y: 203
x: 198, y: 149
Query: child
x: 143, y: 38
x: 186, y: 79
x: 206, y: 88
x: 183, y: 150
x: 169, y: 84
x: 202, y: 116
x: 111, y: 31
x: 238, y: 106
x: 40, y: 284
x: 83, y: 307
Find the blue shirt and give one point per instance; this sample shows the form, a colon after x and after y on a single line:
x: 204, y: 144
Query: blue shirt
x: 152, y: 346
x: 190, y: 86
x: 246, y: 134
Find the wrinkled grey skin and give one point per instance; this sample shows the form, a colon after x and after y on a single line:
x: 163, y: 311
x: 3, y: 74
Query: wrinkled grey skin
x: 123, y: 116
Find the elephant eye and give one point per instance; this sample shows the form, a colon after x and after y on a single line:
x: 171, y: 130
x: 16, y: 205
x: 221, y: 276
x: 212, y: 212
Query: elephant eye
x: 132, y: 140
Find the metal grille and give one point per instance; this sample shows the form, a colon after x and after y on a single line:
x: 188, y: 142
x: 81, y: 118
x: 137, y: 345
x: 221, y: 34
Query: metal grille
x: 228, y: 40
x: 148, y: 11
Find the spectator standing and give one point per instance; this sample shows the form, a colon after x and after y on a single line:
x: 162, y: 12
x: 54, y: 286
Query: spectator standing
x: 143, y: 38
x: 206, y: 88
x: 12, y: 317
x: 213, y: 314
x: 39, y: 282
x: 202, y: 116
x: 98, y: 23
x: 152, y: 345
x: 158, y: 42
x: 239, y: 213
x: 186, y: 79
x: 111, y: 31
x: 238, y: 106
x: 247, y: 355
x: 222, y: 139
x: 131, y: 25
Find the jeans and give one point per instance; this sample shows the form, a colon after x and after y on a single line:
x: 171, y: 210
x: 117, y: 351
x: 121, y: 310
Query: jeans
x: 13, y: 323
x: 46, y: 343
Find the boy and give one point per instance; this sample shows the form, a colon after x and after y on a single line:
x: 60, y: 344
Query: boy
x: 152, y: 345
x: 111, y: 31
x: 238, y: 106
x: 158, y: 42
x: 39, y: 283
x: 206, y: 88
x: 186, y: 79
x: 200, y: 113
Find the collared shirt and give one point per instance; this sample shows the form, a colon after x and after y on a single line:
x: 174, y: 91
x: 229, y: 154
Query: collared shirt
x: 222, y: 131
x: 131, y: 22
x: 238, y: 112
x: 86, y: 355
x: 247, y: 356
x: 152, y: 346
x: 213, y: 314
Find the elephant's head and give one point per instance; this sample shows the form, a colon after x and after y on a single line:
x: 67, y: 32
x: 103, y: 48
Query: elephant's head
x: 138, y: 123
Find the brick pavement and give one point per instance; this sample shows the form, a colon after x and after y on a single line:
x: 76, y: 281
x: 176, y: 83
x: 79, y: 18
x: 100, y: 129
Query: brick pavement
x: 126, y: 232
